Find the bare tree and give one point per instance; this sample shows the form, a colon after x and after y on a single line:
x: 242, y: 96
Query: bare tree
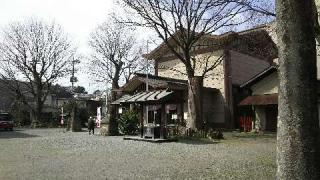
x: 298, y: 123
x: 182, y: 25
x: 115, y: 56
x: 34, y: 55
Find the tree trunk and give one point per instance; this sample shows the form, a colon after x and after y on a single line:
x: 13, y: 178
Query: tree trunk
x: 195, y: 103
x: 38, y: 104
x: 315, y: 5
x: 113, y: 122
x: 36, y: 120
x: 298, y: 124
x: 75, y: 123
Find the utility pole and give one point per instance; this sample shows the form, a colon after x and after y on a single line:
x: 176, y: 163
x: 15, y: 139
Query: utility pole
x: 147, y: 80
x: 147, y: 85
x: 147, y: 69
x: 73, y: 79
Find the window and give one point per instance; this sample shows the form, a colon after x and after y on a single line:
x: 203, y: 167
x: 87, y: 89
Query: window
x: 154, y: 116
x: 172, y: 117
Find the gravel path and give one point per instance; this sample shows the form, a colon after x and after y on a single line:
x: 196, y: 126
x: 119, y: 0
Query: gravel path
x: 52, y: 154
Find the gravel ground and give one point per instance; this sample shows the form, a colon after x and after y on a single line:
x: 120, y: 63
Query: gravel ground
x: 53, y: 154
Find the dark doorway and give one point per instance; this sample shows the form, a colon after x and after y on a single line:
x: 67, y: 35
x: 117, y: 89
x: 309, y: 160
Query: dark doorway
x: 271, y: 118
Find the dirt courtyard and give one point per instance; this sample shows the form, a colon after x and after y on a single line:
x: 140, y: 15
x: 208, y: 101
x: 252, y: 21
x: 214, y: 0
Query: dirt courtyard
x: 42, y: 154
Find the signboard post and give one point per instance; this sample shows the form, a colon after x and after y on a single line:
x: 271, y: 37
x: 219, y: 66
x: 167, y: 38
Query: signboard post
x: 98, y: 121
x: 62, y: 118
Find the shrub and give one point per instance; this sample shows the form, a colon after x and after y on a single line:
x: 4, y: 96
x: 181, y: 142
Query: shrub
x: 215, y: 134
x: 128, y: 123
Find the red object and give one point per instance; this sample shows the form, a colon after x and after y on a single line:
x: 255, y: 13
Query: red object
x: 6, y: 121
x: 246, y: 123
x: 6, y: 125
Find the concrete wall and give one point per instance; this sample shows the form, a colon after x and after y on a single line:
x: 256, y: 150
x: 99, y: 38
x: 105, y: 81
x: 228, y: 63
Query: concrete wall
x: 214, y: 102
x: 213, y: 108
x: 214, y: 79
x: 268, y: 85
x: 260, y: 117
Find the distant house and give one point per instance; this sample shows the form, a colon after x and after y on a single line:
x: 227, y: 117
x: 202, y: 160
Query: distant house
x: 245, y: 54
x: 89, y: 102
x: 6, y: 98
x: 58, y: 97
x: 264, y: 99
x: 261, y: 104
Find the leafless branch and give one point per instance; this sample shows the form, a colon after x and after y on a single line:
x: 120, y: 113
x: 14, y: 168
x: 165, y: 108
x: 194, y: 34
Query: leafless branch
x: 34, y: 55
x: 115, y: 54
x: 182, y: 25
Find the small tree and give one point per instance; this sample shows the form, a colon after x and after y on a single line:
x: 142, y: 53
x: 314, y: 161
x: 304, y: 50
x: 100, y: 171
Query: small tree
x: 80, y: 89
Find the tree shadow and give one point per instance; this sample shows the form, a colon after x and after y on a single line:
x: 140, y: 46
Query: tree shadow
x: 196, y: 141
x: 253, y: 136
x: 15, y: 134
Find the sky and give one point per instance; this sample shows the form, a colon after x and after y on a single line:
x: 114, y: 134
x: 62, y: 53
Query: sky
x: 77, y: 17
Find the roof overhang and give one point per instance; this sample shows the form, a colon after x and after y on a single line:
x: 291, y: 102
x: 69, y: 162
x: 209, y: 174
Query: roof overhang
x: 259, y: 77
x: 145, y: 97
x: 155, y: 82
x: 268, y: 99
x: 210, y: 42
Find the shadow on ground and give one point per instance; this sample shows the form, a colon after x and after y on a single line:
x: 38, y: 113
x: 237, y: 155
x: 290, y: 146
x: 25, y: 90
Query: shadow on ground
x: 253, y: 136
x: 15, y: 134
x: 196, y: 141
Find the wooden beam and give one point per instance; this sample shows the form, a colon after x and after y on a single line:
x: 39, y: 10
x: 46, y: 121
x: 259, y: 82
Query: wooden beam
x: 163, y: 120
x: 141, y: 122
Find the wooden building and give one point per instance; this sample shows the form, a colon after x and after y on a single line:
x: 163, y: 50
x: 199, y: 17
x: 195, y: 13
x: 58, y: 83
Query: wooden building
x: 243, y: 55
x: 263, y: 99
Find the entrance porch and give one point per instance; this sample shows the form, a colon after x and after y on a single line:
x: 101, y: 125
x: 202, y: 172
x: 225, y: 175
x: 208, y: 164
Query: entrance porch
x: 160, y: 112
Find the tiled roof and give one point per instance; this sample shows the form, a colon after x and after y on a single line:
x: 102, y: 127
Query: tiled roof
x: 156, y: 82
x: 257, y: 38
x: 259, y: 76
x: 267, y: 99
x: 151, y: 96
x: 121, y: 99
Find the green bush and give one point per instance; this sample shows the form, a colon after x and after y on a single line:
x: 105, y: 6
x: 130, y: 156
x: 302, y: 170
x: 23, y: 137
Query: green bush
x: 128, y: 123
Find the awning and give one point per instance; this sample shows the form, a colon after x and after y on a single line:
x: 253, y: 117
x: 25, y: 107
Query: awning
x: 121, y: 99
x: 154, y: 82
x: 143, y: 97
x: 268, y: 99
